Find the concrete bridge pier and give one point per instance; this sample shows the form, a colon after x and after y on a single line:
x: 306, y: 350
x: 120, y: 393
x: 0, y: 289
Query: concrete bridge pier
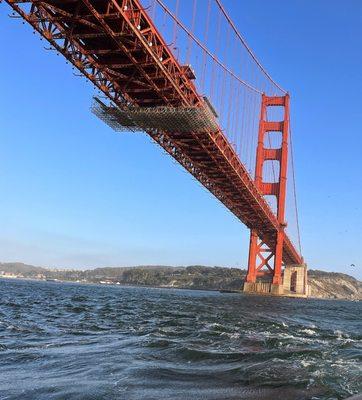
x: 295, y: 283
x: 295, y: 280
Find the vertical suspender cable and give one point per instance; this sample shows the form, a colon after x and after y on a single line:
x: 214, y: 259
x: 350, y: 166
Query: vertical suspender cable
x: 175, y: 26
x: 190, y: 41
x: 218, y: 2
x: 206, y: 35
x: 294, y: 188
x: 216, y: 51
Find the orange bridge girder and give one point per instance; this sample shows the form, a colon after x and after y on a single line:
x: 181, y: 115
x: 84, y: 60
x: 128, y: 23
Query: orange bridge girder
x: 115, y: 44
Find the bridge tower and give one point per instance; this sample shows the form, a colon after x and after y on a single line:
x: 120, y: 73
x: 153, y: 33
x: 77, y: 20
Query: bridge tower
x: 266, y: 261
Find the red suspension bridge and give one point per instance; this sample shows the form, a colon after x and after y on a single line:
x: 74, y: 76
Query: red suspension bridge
x: 181, y: 72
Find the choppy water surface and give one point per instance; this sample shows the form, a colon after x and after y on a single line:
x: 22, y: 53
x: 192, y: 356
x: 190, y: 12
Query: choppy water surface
x: 68, y: 341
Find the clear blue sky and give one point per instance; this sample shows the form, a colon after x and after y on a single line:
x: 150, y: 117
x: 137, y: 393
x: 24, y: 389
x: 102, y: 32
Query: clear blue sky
x: 76, y: 194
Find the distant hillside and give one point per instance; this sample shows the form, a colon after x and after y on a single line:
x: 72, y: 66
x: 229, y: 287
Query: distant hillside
x: 20, y: 268
x: 323, y: 284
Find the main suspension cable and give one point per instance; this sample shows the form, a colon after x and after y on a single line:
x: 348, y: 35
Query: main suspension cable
x: 204, y: 48
x: 228, y: 18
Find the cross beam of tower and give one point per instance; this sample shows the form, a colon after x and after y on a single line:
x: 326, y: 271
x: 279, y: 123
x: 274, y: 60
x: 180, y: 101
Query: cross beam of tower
x: 116, y: 45
x: 258, y: 248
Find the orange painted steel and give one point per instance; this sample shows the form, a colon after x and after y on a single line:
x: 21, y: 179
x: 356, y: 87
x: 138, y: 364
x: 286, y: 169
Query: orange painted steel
x: 257, y: 261
x: 115, y: 44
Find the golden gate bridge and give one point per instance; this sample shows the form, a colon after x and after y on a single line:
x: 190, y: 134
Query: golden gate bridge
x: 181, y: 72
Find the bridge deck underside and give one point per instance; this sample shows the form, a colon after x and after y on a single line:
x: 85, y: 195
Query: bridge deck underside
x: 115, y: 45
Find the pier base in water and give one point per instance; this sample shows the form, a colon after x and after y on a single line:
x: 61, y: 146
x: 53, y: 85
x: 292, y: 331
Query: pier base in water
x: 295, y: 283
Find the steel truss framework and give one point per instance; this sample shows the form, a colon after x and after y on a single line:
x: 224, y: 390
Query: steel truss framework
x: 260, y: 265
x: 115, y: 45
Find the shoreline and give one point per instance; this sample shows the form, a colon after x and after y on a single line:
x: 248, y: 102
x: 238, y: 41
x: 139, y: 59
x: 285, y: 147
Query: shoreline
x: 222, y: 291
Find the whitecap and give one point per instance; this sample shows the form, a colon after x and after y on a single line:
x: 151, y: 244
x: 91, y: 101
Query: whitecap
x: 234, y: 335
x: 340, y: 335
x: 305, y: 363
x: 309, y: 332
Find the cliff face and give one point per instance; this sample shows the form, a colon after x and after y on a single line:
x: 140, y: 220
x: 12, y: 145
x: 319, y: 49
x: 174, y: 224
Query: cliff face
x: 323, y: 284
x: 331, y: 285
